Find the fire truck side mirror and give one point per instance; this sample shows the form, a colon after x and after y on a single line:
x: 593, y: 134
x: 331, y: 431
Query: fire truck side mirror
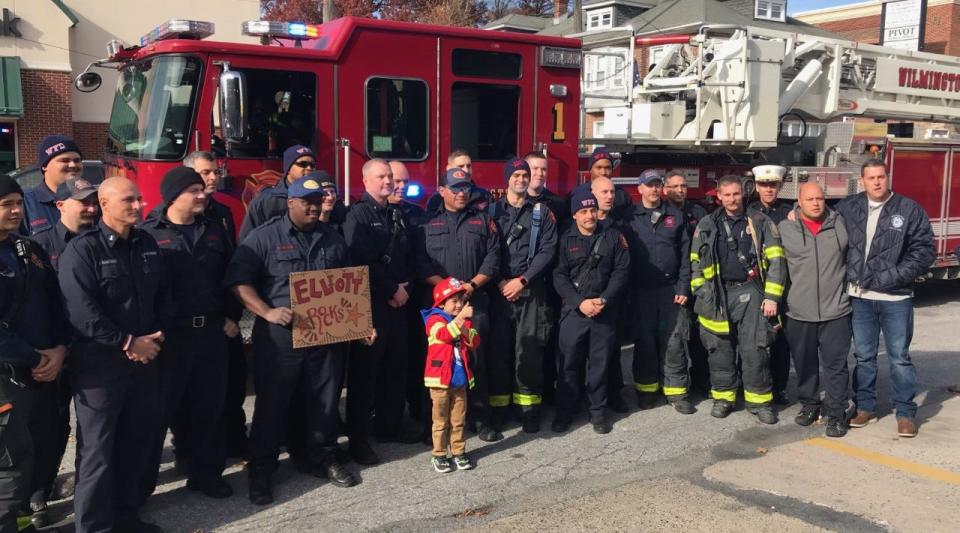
x: 88, y: 82
x: 233, y: 97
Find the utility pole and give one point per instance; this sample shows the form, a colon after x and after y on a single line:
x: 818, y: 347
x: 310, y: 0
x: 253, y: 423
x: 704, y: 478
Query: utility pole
x: 327, y: 6
x: 577, y: 16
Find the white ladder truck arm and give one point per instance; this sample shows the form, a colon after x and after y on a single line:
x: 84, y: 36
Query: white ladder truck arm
x: 727, y: 88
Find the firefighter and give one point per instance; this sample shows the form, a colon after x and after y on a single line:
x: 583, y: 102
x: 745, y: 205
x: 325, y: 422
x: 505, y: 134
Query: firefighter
x: 418, y: 399
x: 115, y: 291
x: 460, y: 159
x: 298, y: 161
x: 32, y: 353
x: 660, y: 260
x: 601, y: 166
x: 76, y: 201
x: 592, y: 274
x: 608, y: 216
x: 193, y: 371
x: 768, y: 180
x: 235, y: 420
x: 893, y: 231
x: 59, y: 158
x: 538, y: 192
x: 376, y: 234
x: 462, y: 242
x: 519, y: 313
x: 738, y: 274
x: 675, y: 191
x: 259, y: 274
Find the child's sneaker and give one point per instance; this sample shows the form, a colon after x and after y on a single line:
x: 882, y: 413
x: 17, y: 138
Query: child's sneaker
x: 463, y: 462
x: 442, y: 464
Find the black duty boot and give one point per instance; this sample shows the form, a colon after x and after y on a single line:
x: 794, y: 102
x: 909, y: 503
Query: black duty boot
x: 601, y: 424
x: 531, y: 421
x: 361, y: 452
x: 808, y: 415
x: 836, y: 427
x: 336, y: 473
x: 765, y: 414
x: 683, y: 406
x: 647, y: 400
x: 561, y: 423
x: 261, y: 485
x: 489, y: 434
x: 721, y: 409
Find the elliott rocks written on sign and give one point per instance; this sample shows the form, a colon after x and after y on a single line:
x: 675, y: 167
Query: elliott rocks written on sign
x: 330, y: 306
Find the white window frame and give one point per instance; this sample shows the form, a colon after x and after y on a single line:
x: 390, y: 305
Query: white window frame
x: 595, y: 18
x: 598, y: 129
x: 764, y: 10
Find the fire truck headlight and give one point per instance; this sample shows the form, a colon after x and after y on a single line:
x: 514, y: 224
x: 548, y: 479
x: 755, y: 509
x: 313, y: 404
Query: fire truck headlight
x: 413, y: 190
x: 558, y: 91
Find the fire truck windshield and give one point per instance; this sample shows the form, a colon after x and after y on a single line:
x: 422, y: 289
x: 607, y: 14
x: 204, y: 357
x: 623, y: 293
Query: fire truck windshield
x: 152, y: 108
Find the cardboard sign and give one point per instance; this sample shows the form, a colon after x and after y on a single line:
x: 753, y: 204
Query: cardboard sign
x: 330, y: 306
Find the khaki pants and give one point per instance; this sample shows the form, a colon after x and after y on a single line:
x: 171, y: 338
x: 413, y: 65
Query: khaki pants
x: 449, y: 416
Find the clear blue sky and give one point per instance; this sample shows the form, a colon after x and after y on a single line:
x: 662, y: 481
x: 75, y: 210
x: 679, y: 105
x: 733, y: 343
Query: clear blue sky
x: 796, y: 6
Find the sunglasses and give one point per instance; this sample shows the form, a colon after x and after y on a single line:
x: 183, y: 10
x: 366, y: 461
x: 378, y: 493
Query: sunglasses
x: 306, y: 164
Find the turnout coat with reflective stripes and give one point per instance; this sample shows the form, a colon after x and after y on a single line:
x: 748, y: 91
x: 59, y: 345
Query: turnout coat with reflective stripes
x: 442, y: 334
x: 705, y: 282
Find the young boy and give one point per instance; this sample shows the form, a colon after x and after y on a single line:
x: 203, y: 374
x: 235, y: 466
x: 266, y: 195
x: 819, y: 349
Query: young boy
x: 450, y: 338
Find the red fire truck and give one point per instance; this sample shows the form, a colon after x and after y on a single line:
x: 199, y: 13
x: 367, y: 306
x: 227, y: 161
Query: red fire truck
x: 353, y: 89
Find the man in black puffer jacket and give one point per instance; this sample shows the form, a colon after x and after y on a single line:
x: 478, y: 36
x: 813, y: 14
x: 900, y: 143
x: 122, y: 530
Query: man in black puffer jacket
x: 891, y: 244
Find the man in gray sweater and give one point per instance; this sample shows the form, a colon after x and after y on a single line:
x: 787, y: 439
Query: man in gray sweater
x: 817, y: 319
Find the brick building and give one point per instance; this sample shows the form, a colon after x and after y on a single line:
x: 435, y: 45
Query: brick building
x: 861, y: 22
x: 44, y: 44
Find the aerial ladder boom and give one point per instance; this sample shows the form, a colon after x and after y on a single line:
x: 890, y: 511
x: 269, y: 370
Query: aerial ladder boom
x: 728, y: 88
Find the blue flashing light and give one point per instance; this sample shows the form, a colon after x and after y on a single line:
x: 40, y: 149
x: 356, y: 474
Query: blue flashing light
x: 297, y: 29
x: 413, y: 190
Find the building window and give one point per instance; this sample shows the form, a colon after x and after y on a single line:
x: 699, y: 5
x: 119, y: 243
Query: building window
x: 598, y: 19
x: 397, y: 118
x: 483, y: 120
x: 484, y: 64
x: 770, y: 10
x: 654, y: 53
x: 606, y: 71
x: 598, y: 129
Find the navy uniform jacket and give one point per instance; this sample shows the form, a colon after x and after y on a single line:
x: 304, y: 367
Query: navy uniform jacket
x: 413, y: 214
x: 514, y: 254
x: 777, y: 212
x: 220, y: 214
x: 459, y: 244
x: 660, y: 251
x: 610, y: 275
x: 267, y: 257
x: 377, y: 236
x: 560, y: 208
x: 195, y: 265
x: 39, y: 210
x: 693, y: 213
x: 54, y: 241
x: 114, y: 287
x: 272, y: 202
x: 31, y: 316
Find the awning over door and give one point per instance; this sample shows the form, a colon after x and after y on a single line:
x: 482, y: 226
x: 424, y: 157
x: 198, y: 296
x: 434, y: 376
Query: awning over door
x: 11, y: 89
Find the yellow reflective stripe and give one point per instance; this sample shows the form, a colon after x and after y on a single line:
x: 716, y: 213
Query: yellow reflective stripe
x: 432, y: 382
x: 499, y: 400
x: 694, y: 256
x: 752, y: 397
x: 647, y: 387
x: 720, y: 327
x: 773, y: 251
x: 695, y: 283
x: 710, y: 271
x: 453, y: 328
x: 725, y: 395
x: 526, y: 399
x: 773, y: 288
x: 674, y: 391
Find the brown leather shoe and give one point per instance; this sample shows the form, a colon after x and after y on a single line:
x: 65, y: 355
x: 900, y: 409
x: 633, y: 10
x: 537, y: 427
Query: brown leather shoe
x: 862, y: 419
x: 906, y: 427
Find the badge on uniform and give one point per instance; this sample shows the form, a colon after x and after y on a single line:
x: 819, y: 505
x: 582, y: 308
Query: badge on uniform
x: 745, y: 297
x: 896, y: 221
x: 670, y: 221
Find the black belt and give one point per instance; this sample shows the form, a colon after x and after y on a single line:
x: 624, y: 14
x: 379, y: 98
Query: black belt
x: 735, y: 284
x: 198, y: 321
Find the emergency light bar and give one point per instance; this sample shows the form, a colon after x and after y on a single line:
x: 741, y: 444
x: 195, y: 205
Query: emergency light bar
x: 286, y: 30
x: 178, y: 29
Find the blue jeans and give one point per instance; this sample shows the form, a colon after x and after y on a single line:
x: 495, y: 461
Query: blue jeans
x: 895, y: 319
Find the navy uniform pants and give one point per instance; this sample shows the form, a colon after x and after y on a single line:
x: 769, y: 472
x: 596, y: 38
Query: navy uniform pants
x: 654, y: 338
x: 376, y: 376
x: 311, y: 377
x: 50, y: 428
x: 585, y: 340
x: 16, y: 450
x: 117, y: 403
x: 193, y: 384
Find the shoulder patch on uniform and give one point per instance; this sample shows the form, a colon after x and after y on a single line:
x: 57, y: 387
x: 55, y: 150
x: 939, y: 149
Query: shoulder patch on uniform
x: 623, y: 242
x: 36, y: 261
x: 492, y: 226
x: 551, y: 217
